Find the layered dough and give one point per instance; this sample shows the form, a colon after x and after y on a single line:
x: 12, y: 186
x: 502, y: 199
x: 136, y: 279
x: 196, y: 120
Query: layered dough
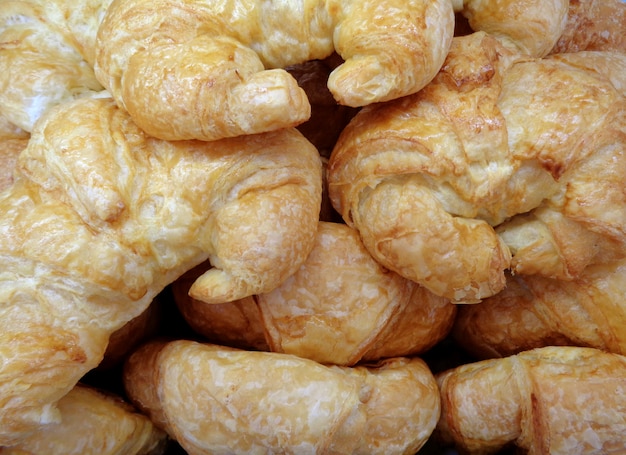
x: 47, y: 55
x: 204, y: 70
x: 556, y: 400
x: 535, y: 311
x: 102, y: 217
x: 94, y: 422
x: 593, y: 25
x: 218, y: 400
x: 216, y: 69
x: 341, y: 307
x: 487, y: 169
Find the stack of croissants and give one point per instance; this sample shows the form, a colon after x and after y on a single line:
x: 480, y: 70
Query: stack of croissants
x: 312, y: 227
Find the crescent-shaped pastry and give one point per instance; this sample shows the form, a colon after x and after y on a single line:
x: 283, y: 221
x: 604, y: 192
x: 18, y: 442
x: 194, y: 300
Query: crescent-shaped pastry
x: 535, y: 311
x: 101, y: 217
x: 556, y: 400
x: 502, y: 162
x: 217, y: 400
x: 199, y: 69
x: 341, y: 307
x: 532, y: 27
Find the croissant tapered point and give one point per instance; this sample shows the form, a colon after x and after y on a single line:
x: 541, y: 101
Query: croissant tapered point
x: 411, y: 175
x: 72, y: 277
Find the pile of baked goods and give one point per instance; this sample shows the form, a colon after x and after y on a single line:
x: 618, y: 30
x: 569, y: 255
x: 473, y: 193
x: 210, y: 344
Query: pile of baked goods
x: 312, y: 227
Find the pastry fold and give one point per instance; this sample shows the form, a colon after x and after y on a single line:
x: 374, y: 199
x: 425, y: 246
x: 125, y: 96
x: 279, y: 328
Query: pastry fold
x: 102, y: 217
x: 218, y: 400
x: 341, y: 307
x: 199, y: 69
x: 556, y: 400
x: 502, y: 162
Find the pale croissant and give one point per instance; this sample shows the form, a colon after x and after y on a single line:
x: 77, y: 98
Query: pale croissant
x: 534, y: 147
x: 102, y: 217
x: 94, y: 422
x: 341, y: 307
x: 218, y: 400
x: 552, y: 400
x: 534, y: 311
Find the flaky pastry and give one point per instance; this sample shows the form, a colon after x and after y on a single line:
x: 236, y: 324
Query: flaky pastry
x: 552, y: 400
x: 502, y: 162
x: 218, y: 400
x: 12, y: 141
x: 593, y: 25
x: 94, y: 422
x: 535, y: 311
x: 341, y: 307
x: 206, y: 70
x: 47, y: 53
x: 101, y: 217
x: 200, y: 69
x: 532, y: 27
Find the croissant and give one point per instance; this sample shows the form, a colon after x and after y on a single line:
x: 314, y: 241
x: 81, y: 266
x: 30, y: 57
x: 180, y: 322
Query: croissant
x: 533, y: 27
x: 539, y: 28
x: 535, y: 311
x: 502, y: 162
x: 47, y: 53
x: 49, y: 48
x: 219, y: 400
x: 218, y: 70
x: 593, y: 25
x: 94, y: 422
x: 556, y: 400
x: 341, y: 307
x: 102, y: 217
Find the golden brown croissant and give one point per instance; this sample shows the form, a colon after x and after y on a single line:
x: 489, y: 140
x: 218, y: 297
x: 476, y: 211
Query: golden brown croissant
x: 532, y: 26
x: 102, y: 217
x: 593, y: 25
x: 94, y: 422
x: 199, y: 69
x: 552, y: 400
x: 218, y: 400
x: 47, y: 52
x: 534, y: 311
x: 341, y: 307
x: 426, y: 179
